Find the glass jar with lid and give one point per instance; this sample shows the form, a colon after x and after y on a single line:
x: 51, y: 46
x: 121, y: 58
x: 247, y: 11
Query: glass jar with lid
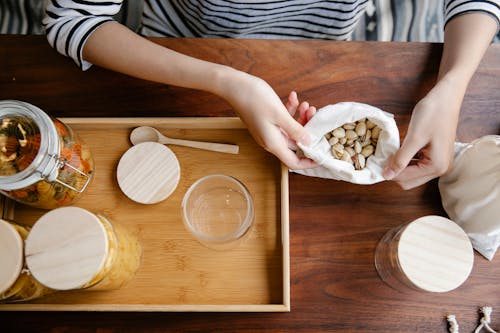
x: 71, y: 248
x: 16, y: 283
x: 43, y: 163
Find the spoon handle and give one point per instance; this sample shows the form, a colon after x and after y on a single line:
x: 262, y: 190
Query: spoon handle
x: 220, y: 147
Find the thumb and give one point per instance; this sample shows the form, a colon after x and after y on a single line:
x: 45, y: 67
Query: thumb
x: 295, y: 131
x: 400, y: 160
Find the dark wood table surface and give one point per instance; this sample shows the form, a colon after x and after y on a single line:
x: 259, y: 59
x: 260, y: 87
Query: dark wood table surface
x: 334, y: 226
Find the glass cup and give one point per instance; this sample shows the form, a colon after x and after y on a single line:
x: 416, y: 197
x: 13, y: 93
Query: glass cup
x: 218, y: 211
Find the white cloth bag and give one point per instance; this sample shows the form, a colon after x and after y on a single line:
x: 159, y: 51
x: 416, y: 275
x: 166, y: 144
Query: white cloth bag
x: 470, y: 192
x: 332, y: 116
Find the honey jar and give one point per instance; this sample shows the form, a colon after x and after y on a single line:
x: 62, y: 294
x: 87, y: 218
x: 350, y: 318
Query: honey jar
x: 16, y: 284
x: 43, y: 163
x: 70, y: 248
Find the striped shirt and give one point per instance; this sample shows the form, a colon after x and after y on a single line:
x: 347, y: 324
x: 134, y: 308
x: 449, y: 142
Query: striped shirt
x: 21, y: 17
x: 68, y: 23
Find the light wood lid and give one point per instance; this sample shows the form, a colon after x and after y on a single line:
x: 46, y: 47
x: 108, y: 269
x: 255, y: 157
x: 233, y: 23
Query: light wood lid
x: 148, y: 172
x: 435, y: 254
x: 66, y: 248
x: 11, y: 255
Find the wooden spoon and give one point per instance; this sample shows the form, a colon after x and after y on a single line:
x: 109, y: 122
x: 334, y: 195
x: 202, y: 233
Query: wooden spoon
x: 150, y: 134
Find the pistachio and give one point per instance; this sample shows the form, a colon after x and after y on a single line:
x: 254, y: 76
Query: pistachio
x: 365, y: 143
x: 359, y: 161
x: 376, y: 132
x: 338, y: 147
x: 367, y: 136
x: 350, y: 151
x: 343, y: 140
x: 357, y: 147
x: 338, y: 132
x: 333, y: 140
x: 346, y: 157
x: 350, y: 134
x: 370, y: 124
x: 361, y: 128
x: 367, y: 151
x: 349, y: 126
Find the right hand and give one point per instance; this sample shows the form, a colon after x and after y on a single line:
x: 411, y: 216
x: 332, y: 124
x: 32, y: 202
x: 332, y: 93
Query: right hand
x: 271, y: 124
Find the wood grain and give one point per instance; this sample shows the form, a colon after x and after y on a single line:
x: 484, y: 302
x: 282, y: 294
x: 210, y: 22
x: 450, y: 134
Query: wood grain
x: 334, y: 226
x: 148, y: 173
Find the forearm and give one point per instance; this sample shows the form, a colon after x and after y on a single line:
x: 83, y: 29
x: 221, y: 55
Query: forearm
x: 115, y: 47
x: 466, y: 39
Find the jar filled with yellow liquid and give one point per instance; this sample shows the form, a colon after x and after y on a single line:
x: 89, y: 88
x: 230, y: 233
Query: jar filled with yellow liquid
x: 70, y: 248
x: 16, y: 283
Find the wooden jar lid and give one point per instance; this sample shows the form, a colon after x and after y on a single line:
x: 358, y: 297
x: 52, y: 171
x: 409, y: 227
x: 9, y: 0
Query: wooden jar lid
x: 66, y: 248
x: 148, y: 172
x: 435, y: 254
x: 11, y: 255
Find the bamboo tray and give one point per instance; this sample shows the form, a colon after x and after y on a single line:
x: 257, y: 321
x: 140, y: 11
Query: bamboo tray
x: 177, y: 273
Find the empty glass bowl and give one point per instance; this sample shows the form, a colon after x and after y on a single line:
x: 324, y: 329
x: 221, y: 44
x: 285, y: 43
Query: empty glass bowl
x: 218, y: 211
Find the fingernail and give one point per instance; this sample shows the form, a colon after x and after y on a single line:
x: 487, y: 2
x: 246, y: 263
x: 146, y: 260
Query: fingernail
x: 388, y: 173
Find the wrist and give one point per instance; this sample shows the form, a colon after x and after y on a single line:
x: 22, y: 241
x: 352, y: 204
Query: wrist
x: 455, y: 82
x: 224, y: 79
x: 233, y: 85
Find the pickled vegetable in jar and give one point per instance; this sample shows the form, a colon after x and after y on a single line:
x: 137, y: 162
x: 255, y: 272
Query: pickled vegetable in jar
x: 16, y: 283
x: 71, y: 248
x: 43, y: 163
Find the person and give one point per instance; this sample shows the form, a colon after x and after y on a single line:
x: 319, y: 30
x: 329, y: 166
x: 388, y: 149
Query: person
x: 85, y: 31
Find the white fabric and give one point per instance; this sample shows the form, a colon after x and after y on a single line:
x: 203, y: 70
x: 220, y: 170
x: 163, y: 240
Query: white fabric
x: 332, y: 116
x: 470, y: 192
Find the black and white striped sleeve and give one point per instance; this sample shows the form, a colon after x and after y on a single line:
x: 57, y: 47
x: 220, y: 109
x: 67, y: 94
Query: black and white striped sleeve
x: 454, y: 8
x: 69, y: 23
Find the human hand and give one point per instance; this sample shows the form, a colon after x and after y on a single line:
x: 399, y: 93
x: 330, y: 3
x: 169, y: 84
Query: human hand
x: 271, y: 123
x: 427, y: 150
x: 305, y: 113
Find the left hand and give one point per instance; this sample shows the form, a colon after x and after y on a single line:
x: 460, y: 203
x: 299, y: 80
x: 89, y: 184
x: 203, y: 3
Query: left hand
x: 427, y: 150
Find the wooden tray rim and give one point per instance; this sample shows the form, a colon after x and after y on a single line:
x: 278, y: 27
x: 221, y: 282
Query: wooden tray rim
x: 7, y: 209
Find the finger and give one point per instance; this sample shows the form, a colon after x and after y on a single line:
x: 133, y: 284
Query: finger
x: 421, y: 172
x: 293, y: 129
x: 290, y: 143
x: 411, y: 172
x: 303, y: 107
x: 310, y: 113
x: 292, y: 103
x: 292, y: 161
x: 400, y: 160
x: 410, y: 183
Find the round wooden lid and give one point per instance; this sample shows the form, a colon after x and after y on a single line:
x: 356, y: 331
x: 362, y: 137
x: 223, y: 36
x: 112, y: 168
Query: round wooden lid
x: 66, y: 248
x: 11, y: 255
x: 435, y: 254
x: 148, y: 172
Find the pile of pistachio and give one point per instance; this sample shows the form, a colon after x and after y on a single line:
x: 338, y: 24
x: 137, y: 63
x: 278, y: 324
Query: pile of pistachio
x: 354, y: 142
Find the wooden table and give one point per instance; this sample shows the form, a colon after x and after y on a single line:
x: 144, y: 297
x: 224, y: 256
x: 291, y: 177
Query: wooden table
x: 334, y: 226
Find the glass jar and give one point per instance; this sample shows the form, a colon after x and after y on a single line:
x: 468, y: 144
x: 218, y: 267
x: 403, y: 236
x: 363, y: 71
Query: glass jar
x: 87, y: 253
x: 430, y: 254
x: 43, y: 163
x: 16, y: 283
